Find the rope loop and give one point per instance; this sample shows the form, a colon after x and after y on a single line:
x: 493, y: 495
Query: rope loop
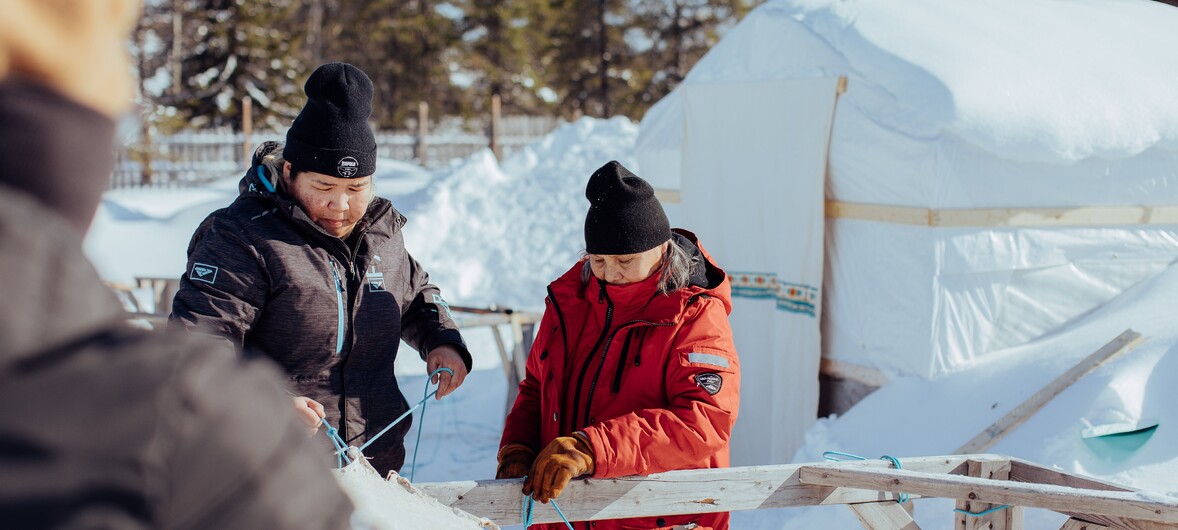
x: 836, y: 456
x: 529, y: 506
x: 341, y: 448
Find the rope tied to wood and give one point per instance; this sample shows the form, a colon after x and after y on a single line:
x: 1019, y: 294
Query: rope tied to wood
x: 341, y: 448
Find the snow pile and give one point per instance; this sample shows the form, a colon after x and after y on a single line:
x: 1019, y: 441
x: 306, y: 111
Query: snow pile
x: 393, y: 504
x: 491, y: 234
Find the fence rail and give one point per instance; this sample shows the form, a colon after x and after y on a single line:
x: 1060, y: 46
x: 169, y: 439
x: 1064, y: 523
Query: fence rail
x: 194, y: 158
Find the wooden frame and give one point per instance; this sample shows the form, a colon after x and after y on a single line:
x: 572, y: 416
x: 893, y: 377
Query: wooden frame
x: 875, y: 482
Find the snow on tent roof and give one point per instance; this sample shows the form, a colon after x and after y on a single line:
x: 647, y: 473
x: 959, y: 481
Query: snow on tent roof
x: 957, y: 104
x: 1032, y: 80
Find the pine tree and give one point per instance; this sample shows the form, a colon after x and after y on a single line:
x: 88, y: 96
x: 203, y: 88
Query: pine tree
x: 232, y: 49
x: 675, y: 34
x: 503, y: 45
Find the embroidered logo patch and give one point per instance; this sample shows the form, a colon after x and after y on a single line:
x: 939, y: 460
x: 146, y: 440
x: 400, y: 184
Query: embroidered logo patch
x: 711, y: 382
x: 437, y: 300
x: 347, y: 167
x: 375, y: 279
x: 203, y: 273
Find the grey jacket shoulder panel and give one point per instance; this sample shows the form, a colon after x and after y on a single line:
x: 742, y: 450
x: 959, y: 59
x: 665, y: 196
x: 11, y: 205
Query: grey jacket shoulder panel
x: 55, y: 296
x: 109, y: 427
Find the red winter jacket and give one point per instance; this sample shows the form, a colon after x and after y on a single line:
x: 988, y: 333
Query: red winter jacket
x: 653, y: 380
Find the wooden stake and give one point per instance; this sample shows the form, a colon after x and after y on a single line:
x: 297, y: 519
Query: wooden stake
x: 496, y: 147
x: 419, y: 149
x: 883, y: 516
x: 1123, y: 342
x: 1130, y: 504
x: 247, y: 127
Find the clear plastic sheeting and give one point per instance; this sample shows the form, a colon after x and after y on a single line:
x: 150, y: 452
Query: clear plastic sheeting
x: 935, y: 300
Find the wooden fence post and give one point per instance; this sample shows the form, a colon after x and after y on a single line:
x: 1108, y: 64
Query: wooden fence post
x: 247, y: 126
x: 419, y: 149
x: 496, y: 130
x: 1009, y: 518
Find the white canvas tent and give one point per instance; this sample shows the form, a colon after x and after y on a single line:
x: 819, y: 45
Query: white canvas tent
x: 979, y: 194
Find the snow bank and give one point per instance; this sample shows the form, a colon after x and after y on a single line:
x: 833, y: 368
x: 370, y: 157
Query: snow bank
x: 497, y: 234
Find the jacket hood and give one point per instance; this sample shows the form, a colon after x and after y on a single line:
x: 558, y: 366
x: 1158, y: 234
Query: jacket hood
x: 707, y: 278
x: 61, y: 297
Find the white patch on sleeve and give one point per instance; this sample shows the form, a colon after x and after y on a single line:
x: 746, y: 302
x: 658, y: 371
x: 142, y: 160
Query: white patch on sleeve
x: 718, y: 361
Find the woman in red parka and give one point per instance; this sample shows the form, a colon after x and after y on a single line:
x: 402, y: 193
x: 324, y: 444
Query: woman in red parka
x: 633, y: 370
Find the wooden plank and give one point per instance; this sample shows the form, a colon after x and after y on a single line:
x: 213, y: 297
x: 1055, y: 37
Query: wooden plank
x: 1024, y: 471
x: 1134, y: 505
x: 674, y: 492
x: 1009, y: 217
x: 667, y: 196
x: 856, y: 372
x: 883, y: 516
x: 1123, y: 342
x: 1076, y: 524
x: 1009, y: 518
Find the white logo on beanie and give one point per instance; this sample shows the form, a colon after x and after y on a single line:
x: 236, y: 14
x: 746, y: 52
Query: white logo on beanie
x: 347, y: 167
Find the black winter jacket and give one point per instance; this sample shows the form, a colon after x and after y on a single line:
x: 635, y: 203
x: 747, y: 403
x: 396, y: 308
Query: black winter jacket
x: 108, y: 427
x: 262, y: 274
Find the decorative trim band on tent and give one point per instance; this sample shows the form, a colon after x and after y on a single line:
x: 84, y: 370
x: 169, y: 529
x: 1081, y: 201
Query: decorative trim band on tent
x: 986, y: 217
x: 791, y: 297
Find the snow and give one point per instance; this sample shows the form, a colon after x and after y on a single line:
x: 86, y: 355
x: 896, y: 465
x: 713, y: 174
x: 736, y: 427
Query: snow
x: 533, y: 205
x: 497, y: 233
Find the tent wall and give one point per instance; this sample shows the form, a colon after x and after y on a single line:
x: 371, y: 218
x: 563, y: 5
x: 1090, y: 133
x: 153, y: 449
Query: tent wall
x: 755, y: 200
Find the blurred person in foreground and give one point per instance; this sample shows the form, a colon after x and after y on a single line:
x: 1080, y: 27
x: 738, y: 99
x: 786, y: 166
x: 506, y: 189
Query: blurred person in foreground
x: 104, y: 426
x: 633, y: 370
x: 308, y: 267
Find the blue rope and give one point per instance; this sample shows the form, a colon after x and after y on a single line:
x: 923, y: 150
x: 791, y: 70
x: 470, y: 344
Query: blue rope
x: 983, y: 512
x: 529, y: 505
x: 832, y: 456
x: 421, y: 404
x: 341, y: 448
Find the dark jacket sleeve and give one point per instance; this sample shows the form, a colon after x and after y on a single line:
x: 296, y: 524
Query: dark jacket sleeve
x: 426, y: 322
x: 237, y: 456
x: 224, y: 287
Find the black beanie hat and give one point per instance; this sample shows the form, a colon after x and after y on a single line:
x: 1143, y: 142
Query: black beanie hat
x: 624, y: 215
x: 331, y: 134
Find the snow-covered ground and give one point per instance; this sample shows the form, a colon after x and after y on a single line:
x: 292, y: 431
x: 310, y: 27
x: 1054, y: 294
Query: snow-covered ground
x: 497, y: 233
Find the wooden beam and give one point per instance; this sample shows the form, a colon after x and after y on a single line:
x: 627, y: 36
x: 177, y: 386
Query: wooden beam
x: 855, y: 372
x: 675, y: 492
x: 1024, y: 471
x: 1076, y: 524
x: 667, y: 196
x: 1009, y: 518
x: 995, y: 217
x: 883, y: 516
x: 1134, y: 505
x: 1123, y: 342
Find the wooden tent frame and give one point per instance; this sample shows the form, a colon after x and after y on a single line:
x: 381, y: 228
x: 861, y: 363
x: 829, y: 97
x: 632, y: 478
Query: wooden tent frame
x: 868, y: 487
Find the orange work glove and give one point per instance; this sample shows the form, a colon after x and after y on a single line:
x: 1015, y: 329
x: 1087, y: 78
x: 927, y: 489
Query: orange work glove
x: 514, y: 461
x: 566, y: 457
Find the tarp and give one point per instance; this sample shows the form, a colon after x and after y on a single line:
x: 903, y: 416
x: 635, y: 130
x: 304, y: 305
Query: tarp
x: 755, y: 200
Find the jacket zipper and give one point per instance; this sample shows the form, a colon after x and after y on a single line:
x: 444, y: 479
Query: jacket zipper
x: 339, y: 302
x: 604, y: 351
x: 609, y: 315
x: 617, y: 386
